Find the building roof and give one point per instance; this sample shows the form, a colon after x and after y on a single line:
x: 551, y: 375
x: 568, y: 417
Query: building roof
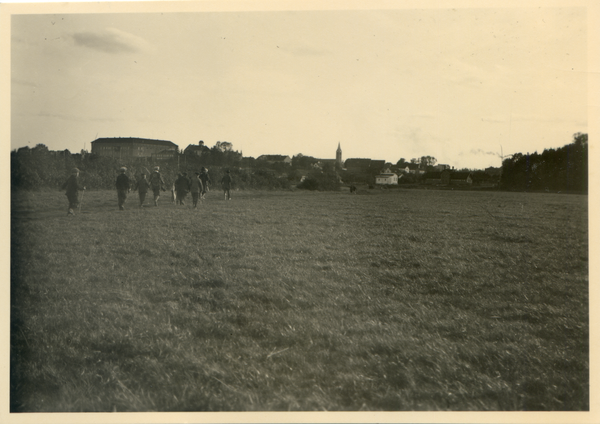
x: 358, y: 161
x: 273, y: 157
x: 195, y: 147
x: 131, y: 140
x: 363, y: 163
x: 463, y: 175
x: 493, y: 171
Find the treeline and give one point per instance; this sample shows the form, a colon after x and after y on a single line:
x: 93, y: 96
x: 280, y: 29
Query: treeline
x: 221, y: 154
x: 39, y: 168
x: 564, y: 169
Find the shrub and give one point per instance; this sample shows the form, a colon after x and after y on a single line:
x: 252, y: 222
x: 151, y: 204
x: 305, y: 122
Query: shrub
x: 321, y: 182
x: 309, y: 184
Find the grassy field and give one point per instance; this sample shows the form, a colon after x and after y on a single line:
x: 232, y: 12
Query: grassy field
x: 384, y: 300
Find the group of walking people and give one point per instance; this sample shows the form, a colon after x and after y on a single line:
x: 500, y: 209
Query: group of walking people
x: 197, y: 185
x: 143, y: 184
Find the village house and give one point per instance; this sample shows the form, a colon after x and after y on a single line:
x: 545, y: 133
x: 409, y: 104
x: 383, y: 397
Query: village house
x: 460, y: 178
x: 415, y: 168
x: 448, y: 177
x: 494, y: 172
x: 433, y: 178
x: 322, y: 162
x: 195, y: 149
x: 358, y: 165
x: 386, y: 178
x: 275, y: 159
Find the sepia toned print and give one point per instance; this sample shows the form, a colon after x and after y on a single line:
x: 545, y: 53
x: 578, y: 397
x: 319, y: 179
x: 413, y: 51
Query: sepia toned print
x: 387, y: 211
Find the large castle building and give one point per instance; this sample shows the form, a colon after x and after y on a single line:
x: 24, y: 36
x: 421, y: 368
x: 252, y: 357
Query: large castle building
x: 131, y: 147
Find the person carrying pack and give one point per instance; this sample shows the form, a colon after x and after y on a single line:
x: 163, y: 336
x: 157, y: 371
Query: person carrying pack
x: 157, y: 183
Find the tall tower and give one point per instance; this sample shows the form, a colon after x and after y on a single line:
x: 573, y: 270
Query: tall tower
x: 338, y: 157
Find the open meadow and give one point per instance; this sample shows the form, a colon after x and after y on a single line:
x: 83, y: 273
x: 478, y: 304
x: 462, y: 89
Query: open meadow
x: 382, y: 300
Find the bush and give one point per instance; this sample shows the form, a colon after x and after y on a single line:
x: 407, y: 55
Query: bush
x: 321, y: 182
x: 309, y: 184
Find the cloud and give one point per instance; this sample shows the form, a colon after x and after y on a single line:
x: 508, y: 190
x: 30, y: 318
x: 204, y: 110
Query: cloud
x: 110, y: 40
x: 482, y: 152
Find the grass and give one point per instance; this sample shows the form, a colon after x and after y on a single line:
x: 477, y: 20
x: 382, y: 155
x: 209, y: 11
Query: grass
x: 385, y: 300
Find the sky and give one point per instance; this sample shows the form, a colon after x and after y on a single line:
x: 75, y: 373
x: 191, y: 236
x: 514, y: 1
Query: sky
x: 464, y: 85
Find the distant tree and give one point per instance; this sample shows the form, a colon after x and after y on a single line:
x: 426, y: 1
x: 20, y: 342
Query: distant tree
x: 294, y: 175
x: 280, y: 167
x: 480, y: 177
x: 408, y: 179
x: 248, y: 162
x: 427, y: 161
x: 223, y: 146
x: 563, y: 169
x: 328, y: 167
x: 321, y: 181
x: 40, y: 149
x: 303, y: 162
x: 577, y: 155
x: 222, y: 154
x: 580, y: 139
x: 309, y: 183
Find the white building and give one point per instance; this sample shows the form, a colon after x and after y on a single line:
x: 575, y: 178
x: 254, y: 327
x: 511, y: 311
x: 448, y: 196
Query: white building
x: 386, y: 178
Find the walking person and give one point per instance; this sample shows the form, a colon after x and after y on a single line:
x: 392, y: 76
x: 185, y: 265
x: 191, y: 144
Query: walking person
x: 205, y: 181
x: 195, y: 188
x: 157, y: 184
x: 123, y: 185
x: 226, y: 184
x: 73, y: 188
x: 182, y: 187
x: 142, y: 185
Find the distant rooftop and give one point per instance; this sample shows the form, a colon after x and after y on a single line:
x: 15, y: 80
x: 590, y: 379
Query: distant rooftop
x: 128, y: 140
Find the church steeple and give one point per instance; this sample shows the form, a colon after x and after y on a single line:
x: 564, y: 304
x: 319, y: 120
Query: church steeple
x: 338, y: 156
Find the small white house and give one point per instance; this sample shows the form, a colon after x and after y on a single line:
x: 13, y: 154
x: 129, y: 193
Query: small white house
x: 386, y: 178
